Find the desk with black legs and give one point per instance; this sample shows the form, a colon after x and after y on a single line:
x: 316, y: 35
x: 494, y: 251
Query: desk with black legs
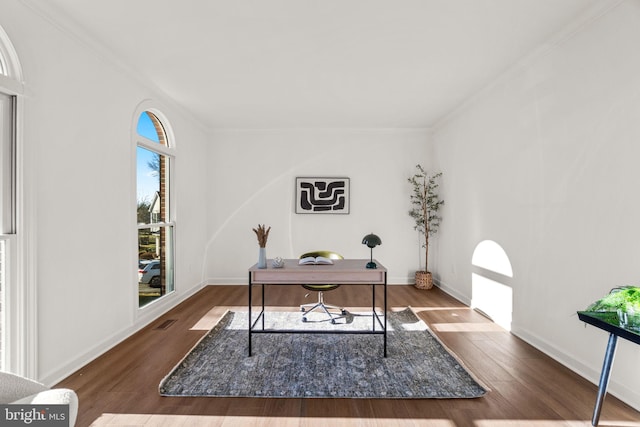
x: 344, y: 272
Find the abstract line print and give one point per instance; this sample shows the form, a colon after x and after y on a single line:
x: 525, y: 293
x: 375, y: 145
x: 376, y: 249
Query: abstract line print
x: 322, y: 195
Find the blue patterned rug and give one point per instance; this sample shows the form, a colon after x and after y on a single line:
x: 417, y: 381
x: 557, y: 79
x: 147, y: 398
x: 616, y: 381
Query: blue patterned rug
x: 321, y: 365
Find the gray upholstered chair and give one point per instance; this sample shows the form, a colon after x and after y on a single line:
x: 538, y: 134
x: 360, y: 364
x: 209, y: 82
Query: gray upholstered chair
x: 321, y: 289
x: 15, y: 389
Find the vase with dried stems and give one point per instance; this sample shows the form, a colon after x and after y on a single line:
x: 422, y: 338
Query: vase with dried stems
x: 263, y: 234
x: 425, y: 206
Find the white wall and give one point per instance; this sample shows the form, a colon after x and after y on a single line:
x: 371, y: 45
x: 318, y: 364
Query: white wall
x: 545, y: 163
x: 251, y: 179
x: 78, y: 117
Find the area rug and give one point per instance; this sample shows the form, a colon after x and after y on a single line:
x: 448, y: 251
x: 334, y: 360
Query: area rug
x: 321, y: 365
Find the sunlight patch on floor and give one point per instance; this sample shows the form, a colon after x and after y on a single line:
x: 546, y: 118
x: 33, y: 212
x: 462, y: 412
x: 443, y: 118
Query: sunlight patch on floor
x: 148, y: 420
x: 466, y: 327
x: 212, y: 317
x: 419, y: 309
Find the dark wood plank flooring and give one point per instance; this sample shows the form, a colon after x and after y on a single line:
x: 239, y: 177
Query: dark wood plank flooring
x: 528, y: 388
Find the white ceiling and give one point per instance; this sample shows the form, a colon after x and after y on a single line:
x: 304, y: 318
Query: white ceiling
x: 323, y: 63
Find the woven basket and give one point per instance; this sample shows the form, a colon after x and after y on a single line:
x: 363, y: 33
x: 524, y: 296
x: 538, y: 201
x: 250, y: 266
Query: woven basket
x: 424, y: 280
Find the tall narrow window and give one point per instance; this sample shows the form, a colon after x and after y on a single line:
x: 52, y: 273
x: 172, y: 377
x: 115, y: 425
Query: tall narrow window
x: 154, y: 159
x: 7, y: 210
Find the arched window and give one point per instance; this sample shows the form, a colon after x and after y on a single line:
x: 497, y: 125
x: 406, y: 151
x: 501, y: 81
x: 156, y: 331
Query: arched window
x: 154, y: 160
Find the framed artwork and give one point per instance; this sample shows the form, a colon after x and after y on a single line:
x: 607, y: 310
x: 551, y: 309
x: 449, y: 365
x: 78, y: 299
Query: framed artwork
x: 322, y: 195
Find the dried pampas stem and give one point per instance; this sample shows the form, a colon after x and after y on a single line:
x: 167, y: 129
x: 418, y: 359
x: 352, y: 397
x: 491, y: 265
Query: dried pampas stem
x: 262, y: 234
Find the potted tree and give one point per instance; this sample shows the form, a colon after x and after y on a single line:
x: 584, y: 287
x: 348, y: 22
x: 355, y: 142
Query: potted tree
x: 425, y: 206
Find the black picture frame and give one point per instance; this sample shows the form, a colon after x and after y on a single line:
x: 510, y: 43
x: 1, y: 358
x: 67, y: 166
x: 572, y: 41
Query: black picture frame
x: 322, y: 195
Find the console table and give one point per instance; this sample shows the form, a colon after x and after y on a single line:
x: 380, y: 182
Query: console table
x: 607, y: 321
x: 344, y: 272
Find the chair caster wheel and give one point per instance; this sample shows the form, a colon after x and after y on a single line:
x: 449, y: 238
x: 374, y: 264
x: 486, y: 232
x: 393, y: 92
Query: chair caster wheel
x: 302, y: 309
x: 333, y: 321
x: 304, y: 319
x: 344, y: 312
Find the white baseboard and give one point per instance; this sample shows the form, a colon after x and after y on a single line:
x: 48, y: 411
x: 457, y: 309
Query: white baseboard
x: 620, y: 391
x: 161, y: 307
x: 452, y: 292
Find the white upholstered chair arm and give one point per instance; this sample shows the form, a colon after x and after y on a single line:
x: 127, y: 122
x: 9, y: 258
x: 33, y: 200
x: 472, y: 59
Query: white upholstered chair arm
x: 14, y: 387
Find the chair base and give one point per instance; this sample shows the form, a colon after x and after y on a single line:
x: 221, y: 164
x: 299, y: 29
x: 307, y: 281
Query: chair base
x: 320, y: 305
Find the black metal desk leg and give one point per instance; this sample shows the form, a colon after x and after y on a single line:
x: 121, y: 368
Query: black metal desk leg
x: 604, y: 377
x: 373, y: 306
x: 385, y: 314
x: 249, y: 322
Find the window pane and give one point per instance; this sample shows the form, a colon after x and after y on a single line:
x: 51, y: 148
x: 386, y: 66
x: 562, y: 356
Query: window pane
x: 155, y: 265
x: 152, y: 171
x: 7, y: 213
x: 150, y: 127
x: 6, y: 165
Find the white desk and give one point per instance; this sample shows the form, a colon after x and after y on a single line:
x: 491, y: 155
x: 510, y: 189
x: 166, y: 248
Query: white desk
x: 344, y: 272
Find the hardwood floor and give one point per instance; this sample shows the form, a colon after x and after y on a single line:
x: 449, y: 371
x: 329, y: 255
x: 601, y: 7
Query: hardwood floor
x: 527, y: 388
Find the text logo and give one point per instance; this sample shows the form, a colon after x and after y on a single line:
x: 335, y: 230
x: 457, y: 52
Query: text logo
x: 34, y: 415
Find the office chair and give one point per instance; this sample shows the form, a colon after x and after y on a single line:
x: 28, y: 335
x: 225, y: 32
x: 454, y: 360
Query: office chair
x: 321, y: 289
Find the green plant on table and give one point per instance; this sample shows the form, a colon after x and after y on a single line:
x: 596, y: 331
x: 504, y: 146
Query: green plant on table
x: 626, y: 298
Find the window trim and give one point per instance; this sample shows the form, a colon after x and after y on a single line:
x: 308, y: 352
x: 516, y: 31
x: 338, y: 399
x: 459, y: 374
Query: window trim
x: 20, y: 310
x: 147, y: 311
